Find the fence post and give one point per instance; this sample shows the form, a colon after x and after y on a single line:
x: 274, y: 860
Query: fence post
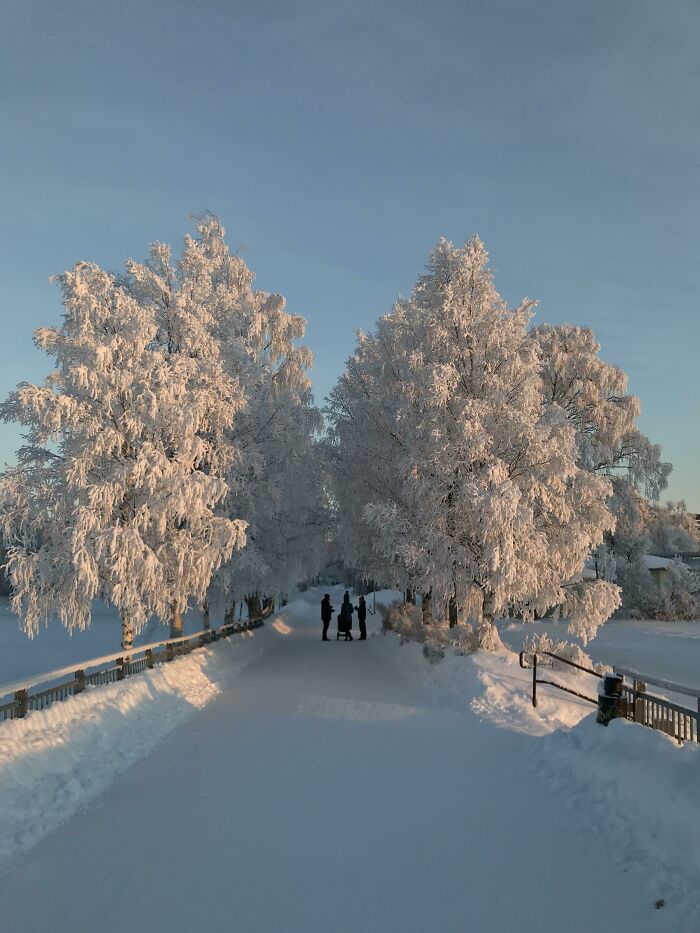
x: 149, y: 659
x: 20, y: 704
x: 169, y: 652
x: 640, y: 688
x: 79, y: 682
x: 610, y: 702
x: 534, y: 680
x: 120, y: 669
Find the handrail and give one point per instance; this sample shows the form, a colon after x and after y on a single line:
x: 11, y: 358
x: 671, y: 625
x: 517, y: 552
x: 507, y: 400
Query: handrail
x: 658, y: 682
x: 551, y: 683
x: 45, y: 678
x: 637, y: 705
x: 558, y: 657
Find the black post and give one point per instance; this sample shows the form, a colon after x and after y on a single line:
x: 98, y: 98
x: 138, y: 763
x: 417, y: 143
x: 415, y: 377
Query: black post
x: 79, y: 682
x: 611, y: 705
x: 534, y: 680
x: 21, y: 704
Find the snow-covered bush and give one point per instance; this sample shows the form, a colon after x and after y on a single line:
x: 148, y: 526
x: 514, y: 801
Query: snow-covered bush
x: 404, y: 619
x: 538, y: 644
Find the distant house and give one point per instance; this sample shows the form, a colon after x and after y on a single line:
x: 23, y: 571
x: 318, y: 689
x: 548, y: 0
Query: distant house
x: 658, y: 568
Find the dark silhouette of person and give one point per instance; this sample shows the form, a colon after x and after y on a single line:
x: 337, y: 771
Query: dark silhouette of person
x: 361, y: 611
x: 326, y: 613
x: 345, y: 618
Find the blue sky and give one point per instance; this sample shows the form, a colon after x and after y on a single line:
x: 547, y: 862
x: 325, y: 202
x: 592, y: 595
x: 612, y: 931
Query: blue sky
x: 339, y: 141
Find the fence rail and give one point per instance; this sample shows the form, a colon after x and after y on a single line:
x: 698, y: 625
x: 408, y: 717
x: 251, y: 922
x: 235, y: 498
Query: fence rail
x: 537, y: 680
x: 658, y: 713
x: 106, y: 670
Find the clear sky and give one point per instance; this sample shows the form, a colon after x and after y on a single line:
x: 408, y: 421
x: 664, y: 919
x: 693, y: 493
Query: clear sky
x: 338, y: 141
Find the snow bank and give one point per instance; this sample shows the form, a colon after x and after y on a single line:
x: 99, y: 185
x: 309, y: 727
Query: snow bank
x: 641, y: 790
x: 54, y: 761
x: 638, y: 788
x: 493, y: 686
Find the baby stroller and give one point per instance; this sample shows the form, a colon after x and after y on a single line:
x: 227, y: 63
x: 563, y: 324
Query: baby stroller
x: 345, y: 623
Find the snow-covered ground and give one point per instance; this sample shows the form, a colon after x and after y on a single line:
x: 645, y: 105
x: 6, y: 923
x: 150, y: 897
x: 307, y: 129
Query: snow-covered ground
x: 670, y: 650
x: 343, y: 786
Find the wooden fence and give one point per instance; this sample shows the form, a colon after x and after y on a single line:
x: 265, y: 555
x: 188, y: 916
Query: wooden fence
x: 54, y: 686
x: 657, y: 712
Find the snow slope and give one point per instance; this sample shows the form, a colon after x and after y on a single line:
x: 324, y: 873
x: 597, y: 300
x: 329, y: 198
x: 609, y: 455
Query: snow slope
x: 329, y: 788
x: 52, y: 763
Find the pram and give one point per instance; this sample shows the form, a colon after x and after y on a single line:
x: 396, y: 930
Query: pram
x: 344, y: 626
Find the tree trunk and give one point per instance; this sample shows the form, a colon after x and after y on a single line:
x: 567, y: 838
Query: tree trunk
x: 489, y: 638
x: 427, y: 607
x: 176, y: 626
x: 206, y: 621
x: 411, y: 597
x: 489, y: 608
x: 452, y: 611
x: 230, y: 613
x: 254, y: 610
x: 127, y: 635
x: 268, y: 606
x: 474, y: 604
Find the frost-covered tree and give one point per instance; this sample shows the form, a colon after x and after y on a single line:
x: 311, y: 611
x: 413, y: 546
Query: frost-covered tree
x: 593, y: 395
x: 670, y: 528
x: 274, y: 479
x: 481, y: 486
x: 362, y: 448
x: 128, y: 444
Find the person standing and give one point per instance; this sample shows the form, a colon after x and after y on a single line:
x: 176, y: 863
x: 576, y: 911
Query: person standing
x: 326, y: 613
x: 345, y: 618
x: 361, y: 611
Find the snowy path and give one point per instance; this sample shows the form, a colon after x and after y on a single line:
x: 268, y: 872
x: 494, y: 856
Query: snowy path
x: 323, y: 791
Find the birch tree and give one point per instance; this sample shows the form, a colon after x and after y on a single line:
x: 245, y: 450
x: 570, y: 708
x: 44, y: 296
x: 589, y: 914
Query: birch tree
x: 593, y: 395
x: 486, y: 490
x: 128, y: 443
x: 274, y: 478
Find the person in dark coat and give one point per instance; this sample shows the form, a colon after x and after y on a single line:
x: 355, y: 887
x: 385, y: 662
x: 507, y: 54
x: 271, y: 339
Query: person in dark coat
x: 326, y: 613
x: 361, y: 611
x: 345, y: 618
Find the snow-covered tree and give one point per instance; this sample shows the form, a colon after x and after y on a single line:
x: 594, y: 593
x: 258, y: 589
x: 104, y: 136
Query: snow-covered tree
x: 128, y: 444
x: 670, y: 528
x: 480, y: 485
x: 362, y: 449
x: 593, y: 394
x: 274, y: 481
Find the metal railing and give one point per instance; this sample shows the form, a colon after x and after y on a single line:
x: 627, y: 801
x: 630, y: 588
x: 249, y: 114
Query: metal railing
x: 536, y: 680
x: 100, y: 671
x: 635, y: 704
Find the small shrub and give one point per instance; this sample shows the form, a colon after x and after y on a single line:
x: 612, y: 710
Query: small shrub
x: 537, y: 644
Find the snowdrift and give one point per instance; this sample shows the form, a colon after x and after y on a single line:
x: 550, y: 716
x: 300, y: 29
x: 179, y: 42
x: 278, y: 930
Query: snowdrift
x: 54, y: 761
x: 637, y: 788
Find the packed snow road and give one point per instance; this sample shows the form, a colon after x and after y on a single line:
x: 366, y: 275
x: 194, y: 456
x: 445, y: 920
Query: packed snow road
x: 324, y: 791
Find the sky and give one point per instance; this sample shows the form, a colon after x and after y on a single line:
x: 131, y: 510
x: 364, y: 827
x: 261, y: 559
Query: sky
x: 338, y: 141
